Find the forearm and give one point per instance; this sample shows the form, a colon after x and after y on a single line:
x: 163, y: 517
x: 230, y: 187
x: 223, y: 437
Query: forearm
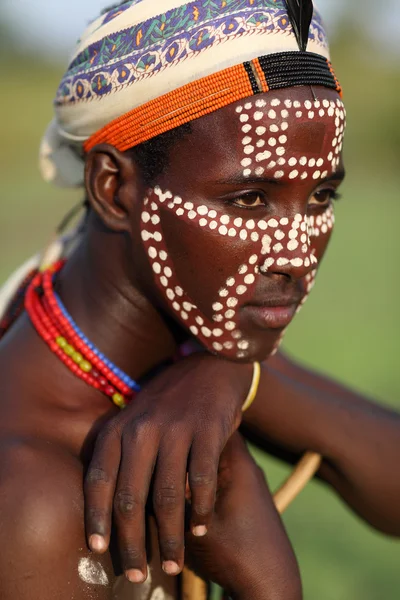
x: 268, y: 582
x: 262, y: 591
x: 271, y: 581
x: 297, y: 410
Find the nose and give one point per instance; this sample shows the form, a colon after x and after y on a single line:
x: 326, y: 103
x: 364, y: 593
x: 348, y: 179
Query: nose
x: 287, y: 248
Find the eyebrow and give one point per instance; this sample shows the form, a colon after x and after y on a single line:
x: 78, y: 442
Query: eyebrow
x: 241, y: 180
x: 337, y: 176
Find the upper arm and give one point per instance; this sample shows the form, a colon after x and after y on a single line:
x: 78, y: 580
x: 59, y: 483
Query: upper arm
x: 44, y: 555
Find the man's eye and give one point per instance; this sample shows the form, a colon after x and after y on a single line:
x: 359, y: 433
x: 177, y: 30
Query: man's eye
x: 249, y: 201
x: 323, y: 198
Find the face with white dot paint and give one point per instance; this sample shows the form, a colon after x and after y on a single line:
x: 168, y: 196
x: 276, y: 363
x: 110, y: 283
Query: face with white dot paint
x: 239, y: 221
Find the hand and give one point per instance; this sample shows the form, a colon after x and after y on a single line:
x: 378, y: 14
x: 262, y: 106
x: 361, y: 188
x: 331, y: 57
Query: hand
x: 178, y: 424
x: 246, y: 550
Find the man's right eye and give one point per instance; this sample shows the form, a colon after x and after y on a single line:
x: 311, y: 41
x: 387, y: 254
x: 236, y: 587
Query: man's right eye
x: 248, y: 201
x: 324, y: 197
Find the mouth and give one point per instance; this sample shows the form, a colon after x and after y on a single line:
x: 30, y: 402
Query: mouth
x: 271, y: 317
x: 274, y: 313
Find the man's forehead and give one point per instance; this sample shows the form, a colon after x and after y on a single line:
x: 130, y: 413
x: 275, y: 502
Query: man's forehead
x: 284, y: 133
x: 290, y: 138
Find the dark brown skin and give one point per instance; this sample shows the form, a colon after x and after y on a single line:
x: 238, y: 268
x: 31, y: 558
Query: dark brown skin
x: 190, y: 410
x: 243, y: 498
x: 193, y: 431
x: 358, y: 439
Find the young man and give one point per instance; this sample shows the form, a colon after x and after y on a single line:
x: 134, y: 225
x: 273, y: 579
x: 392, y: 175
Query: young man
x: 212, y: 152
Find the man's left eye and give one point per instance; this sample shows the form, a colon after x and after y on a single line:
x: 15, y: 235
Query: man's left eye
x: 249, y: 201
x: 323, y: 197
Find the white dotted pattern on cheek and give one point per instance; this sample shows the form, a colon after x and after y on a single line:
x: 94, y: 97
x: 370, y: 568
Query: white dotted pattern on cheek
x: 280, y: 242
x: 275, y: 139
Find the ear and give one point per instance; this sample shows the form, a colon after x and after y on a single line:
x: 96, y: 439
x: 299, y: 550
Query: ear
x: 113, y: 186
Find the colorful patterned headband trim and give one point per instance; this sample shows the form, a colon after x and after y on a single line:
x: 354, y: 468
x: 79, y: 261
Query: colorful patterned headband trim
x: 142, y: 50
x: 206, y: 95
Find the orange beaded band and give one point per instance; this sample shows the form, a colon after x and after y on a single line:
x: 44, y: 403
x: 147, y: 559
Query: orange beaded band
x: 208, y: 94
x: 171, y: 110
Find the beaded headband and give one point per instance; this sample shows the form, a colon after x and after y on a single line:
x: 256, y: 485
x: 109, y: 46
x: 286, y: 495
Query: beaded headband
x: 146, y: 66
x: 202, y: 97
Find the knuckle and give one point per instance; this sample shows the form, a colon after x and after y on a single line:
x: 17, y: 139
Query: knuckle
x: 110, y: 430
x: 127, y: 503
x: 219, y: 429
x: 202, y: 479
x: 95, y: 514
x: 96, y: 475
x: 227, y: 427
x: 166, y: 497
x: 131, y: 554
x: 202, y: 509
x: 170, y: 546
x: 142, y: 422
x: 139, y: 429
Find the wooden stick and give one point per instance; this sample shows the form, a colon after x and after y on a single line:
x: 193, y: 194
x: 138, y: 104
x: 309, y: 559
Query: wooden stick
x: 297, y: 481
x: 193, y: 587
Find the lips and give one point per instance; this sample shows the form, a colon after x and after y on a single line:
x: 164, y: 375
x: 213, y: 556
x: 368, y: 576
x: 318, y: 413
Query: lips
x: 271, y: 317
x: 273, y: 311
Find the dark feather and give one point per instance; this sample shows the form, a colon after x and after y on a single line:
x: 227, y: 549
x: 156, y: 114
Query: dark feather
x: 300, y: 15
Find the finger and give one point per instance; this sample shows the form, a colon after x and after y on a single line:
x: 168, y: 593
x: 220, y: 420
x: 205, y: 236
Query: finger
x: 203, y: 476
x: 139, y: 452
x: 169, y: 503
x: 99, y: 488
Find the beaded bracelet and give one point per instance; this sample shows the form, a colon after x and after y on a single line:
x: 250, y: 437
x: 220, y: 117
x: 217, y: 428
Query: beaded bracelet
x: 251, y: 396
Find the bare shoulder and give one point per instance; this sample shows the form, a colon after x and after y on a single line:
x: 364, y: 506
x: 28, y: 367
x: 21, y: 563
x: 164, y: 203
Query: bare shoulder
x: 42, y: 527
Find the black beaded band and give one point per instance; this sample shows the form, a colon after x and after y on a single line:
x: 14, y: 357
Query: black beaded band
x: 287, y: 69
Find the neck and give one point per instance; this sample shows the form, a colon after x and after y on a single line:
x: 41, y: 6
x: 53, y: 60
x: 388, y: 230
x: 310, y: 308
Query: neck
x: 97, y: 291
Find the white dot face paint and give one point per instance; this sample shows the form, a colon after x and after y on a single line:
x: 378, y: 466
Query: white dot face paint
x: 278, y: 246
x: 276, y: 121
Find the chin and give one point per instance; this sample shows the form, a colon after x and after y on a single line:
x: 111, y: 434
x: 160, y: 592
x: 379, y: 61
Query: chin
x: 256, y: 352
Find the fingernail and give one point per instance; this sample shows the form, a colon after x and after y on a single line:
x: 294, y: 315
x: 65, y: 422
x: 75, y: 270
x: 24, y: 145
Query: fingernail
x: 135, y: 576
x: 170, y: 567
x: 97, y: 543
x: 199, y: 530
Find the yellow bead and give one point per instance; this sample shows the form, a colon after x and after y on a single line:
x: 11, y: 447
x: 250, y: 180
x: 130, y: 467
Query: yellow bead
x: 62, y: 342
x: 69, y: 350
x: 119, y: 400
x: 85, y: 366
x: 77, y: 358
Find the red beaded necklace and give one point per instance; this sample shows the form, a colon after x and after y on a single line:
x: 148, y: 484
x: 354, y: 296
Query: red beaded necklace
x: 66, y: 341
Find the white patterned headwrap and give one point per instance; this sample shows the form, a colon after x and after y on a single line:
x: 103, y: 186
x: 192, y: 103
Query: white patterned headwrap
x: 143, y: 49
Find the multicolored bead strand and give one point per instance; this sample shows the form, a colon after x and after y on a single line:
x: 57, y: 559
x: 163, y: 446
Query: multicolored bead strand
x: 64, y: 338
x: 118, y: 372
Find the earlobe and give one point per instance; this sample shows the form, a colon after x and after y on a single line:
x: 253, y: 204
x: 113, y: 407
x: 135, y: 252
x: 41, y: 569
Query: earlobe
x: 111, y: 185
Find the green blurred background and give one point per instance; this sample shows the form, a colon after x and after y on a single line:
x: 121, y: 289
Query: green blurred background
x: 350, y: 326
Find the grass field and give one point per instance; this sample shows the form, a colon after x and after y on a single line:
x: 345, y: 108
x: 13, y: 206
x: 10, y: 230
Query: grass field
x: 349, y: 329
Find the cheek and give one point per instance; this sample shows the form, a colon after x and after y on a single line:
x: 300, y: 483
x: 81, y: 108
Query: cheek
x: 321, y: 232
x: 203, y: 260
x: 195, y: 261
